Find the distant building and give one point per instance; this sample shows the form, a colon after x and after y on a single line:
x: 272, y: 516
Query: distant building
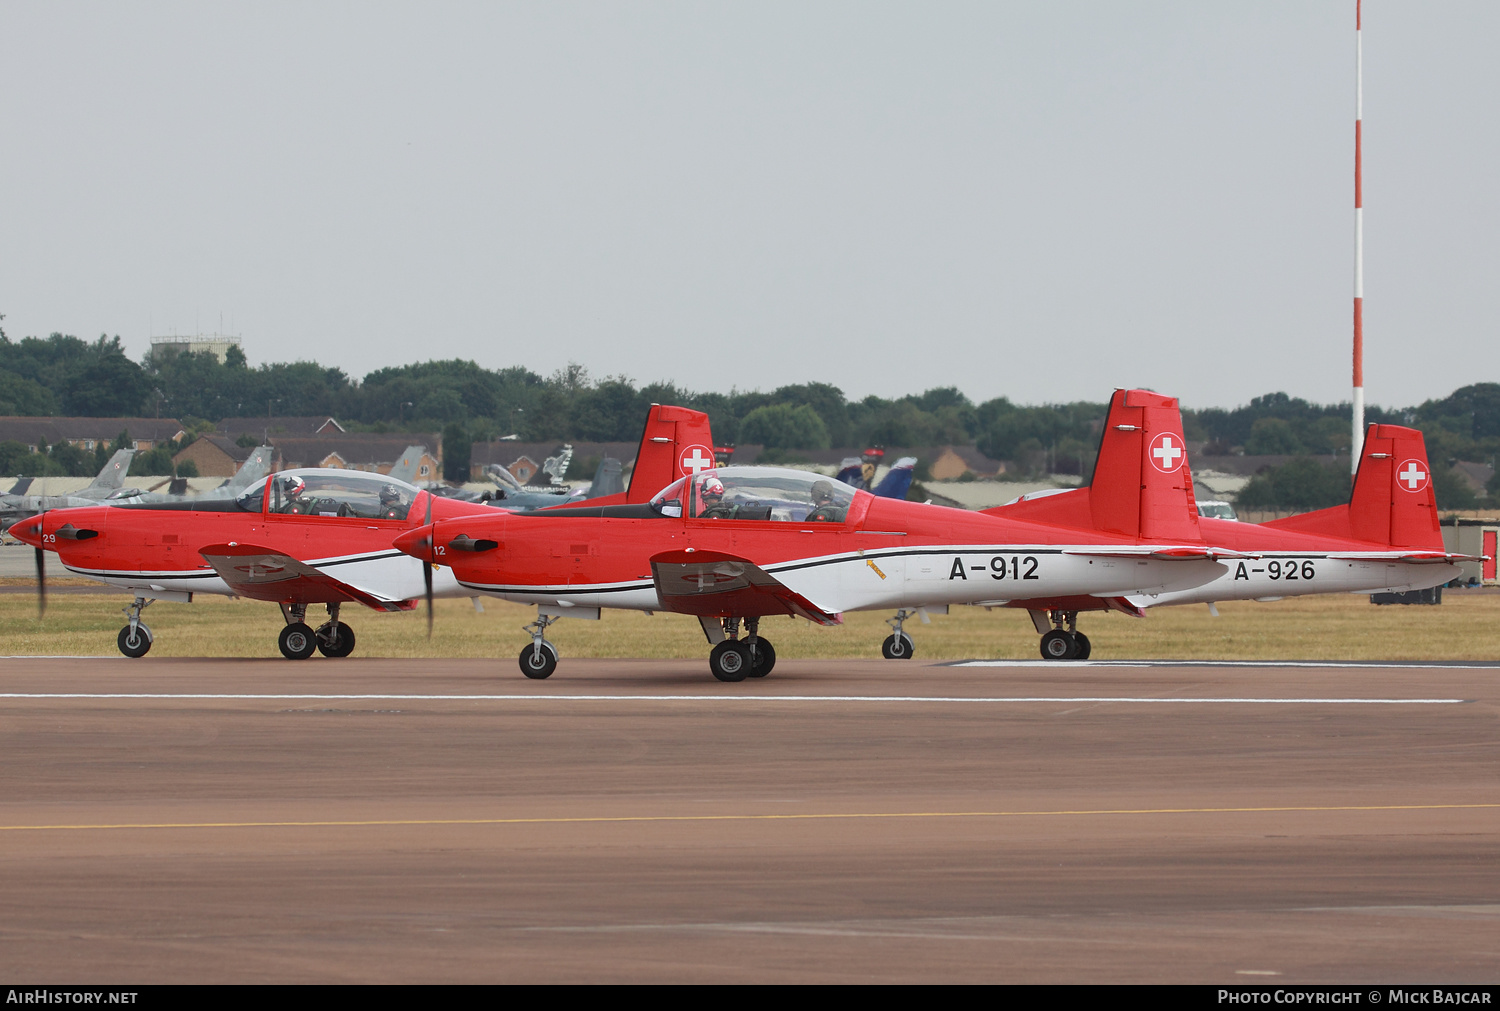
x: 163, y: 348
x: 368, y: 451
x: 88, y: 433
x: 214, y: 455
x: 259, y: 427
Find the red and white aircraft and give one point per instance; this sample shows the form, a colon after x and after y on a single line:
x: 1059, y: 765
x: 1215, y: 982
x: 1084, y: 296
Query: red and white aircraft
x: 1386, y: 538
x: 298, y: 538
x: 732, y: 545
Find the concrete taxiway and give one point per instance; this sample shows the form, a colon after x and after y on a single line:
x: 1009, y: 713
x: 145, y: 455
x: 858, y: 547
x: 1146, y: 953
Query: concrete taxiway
x: 388, y: 820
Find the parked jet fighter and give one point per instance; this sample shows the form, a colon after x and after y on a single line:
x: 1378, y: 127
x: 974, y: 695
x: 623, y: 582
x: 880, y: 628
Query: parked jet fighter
x: 732, y: 545
x: 297, y: 538
x: 1386, y: 538
x: 109, y: 482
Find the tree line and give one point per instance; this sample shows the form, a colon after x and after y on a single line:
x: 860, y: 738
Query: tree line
x: 62, y: 374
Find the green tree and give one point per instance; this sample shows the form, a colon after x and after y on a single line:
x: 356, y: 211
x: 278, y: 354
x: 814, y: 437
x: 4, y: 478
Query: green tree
x: 779, y: 426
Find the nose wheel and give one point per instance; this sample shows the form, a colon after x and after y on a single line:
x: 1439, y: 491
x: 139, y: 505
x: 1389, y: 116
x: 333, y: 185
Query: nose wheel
x: 897, y: 646
x: 539, y: 659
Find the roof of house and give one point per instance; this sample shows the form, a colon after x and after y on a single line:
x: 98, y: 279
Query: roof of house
x: 354, y: 448
x: 305, y: 426
x: 53, y: 430
x: 230, y: 448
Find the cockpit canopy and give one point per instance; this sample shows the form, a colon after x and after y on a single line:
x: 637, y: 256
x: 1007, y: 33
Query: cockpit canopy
x: 316, y: 492
x: 757, y: 493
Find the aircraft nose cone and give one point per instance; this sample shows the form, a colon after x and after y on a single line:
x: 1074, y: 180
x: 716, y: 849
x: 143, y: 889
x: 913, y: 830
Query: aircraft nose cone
x: 416, y: 543
x: 29, y: 531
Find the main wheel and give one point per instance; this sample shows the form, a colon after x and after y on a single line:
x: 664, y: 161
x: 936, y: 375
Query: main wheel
x: 343, y: 640
x: 297, y: 641
x: 730, y: 661
x: 1082, y: 641
x: 764, y: 659
x: 1058, y: 645
x: 897, y: 647
x: 538, y: 664
x: 134, y: 642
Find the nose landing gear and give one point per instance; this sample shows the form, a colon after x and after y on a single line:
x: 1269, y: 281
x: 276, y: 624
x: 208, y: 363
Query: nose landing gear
x: 135, y: 638
x: 539, y: 659
x: 898, y: 645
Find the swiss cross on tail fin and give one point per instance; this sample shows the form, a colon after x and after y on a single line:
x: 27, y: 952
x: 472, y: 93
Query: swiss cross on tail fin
x: 1392, y: 501
x: 1142, y: 486
x: 676, y: 441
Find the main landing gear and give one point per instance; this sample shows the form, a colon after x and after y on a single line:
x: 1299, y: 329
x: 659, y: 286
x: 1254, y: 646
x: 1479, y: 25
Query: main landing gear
x: 735, y: 659
x: 298, y: 640
x: 135, y: 638
x: 1061, y: 643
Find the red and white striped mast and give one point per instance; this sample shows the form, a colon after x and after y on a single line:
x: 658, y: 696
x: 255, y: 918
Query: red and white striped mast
x: 1359, y: 249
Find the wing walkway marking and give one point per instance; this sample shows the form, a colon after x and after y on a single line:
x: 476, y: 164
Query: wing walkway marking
x: 820, y: 816
x: 992, y: 700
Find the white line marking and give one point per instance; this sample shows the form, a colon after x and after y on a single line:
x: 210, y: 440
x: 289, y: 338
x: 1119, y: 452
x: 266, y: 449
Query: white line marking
x: 1332, y: 664
x: 1148, y: 700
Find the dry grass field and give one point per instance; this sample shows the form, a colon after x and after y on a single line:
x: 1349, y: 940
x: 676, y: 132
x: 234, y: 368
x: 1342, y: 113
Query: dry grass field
x: 1336, y: 627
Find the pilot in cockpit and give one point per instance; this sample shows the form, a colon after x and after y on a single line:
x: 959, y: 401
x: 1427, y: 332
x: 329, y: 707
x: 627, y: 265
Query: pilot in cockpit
x: 391, y: 505
x: 824, y: 507
x: 711, y: 493
x: 291, y: 488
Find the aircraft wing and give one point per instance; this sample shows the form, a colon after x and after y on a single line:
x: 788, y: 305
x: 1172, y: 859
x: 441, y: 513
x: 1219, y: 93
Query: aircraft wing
x: 715, y: 583
x: 267, y: 574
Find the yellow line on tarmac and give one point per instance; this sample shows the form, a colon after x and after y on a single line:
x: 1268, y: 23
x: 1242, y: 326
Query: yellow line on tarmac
x: 826, y: 816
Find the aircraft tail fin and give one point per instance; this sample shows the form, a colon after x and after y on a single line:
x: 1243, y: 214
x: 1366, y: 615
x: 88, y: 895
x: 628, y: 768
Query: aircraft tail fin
x: 897, y: 482
x: 676, y: 441
x: 1142, y: 486
x: 1392, y: 501
x: 608, y: 479
x: 112, y: 476
x: 256, y: 466
x: 19, y: 488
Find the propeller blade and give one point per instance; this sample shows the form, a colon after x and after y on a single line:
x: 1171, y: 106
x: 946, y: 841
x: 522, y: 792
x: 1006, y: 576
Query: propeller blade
x: 427, y: 566
x: 427, y: 579
x: 41, y: 583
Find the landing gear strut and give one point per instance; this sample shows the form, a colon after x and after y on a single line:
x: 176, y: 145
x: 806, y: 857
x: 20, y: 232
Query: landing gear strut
x: 297, y: 640
x: 898, y: 645
x: 539, y: 659
x: 135, y: 638
x: 1062, y: 643
x: 334, y: 638
x: 735, y: 659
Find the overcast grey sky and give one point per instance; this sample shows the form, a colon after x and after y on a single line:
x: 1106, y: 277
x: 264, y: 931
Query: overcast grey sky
x: 1041, y: 201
